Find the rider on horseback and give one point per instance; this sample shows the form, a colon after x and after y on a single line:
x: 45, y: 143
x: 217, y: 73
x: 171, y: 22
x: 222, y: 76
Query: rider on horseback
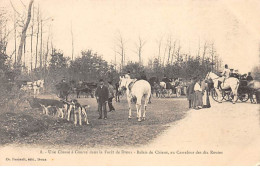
x: 225, y: 74
x: 127, y: 76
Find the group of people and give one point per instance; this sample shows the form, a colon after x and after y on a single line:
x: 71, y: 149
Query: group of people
x: 231, y: 73
x: 198, y: 94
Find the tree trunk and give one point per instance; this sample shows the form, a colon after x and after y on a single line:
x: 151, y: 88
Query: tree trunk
x: 15, y: 50
x: 32, y: 41
x: 41, y: 49
x: 37, y: 37
x: 23, y: 36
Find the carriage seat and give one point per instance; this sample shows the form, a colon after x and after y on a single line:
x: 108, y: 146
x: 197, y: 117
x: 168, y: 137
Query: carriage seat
x: 243, y: 83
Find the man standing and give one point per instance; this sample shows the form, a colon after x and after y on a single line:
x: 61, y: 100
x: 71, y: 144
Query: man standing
x: 110, y: 96
x: 64, y: 89
x: 102, y: 99
x: 190, y: 93
x: 249, y: 77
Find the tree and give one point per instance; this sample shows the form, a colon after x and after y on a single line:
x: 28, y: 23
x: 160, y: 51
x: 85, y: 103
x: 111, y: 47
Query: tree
x: 89, y: 67
x: 121, y: 49
x: 23, y: 36
x: 204, y: 51
x: 159, y: 42
x: 135, y: 69
x: 139, y: 48
x: 256, y: 73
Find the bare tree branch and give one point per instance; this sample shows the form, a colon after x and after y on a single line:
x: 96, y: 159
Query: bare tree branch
x: 23, y: 37
x: 14, y: 8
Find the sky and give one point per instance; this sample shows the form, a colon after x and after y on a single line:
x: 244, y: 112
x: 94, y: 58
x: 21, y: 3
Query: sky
x: 233, y: 26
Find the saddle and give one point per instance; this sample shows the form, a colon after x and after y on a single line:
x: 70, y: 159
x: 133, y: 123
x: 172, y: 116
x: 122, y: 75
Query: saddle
x: 131, y: 84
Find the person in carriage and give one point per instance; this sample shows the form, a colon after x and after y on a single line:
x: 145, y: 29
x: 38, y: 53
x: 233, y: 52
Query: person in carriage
x: 249, y: 77
x: 232, y: 74
x: 236, y: 74
x: 225, y: 74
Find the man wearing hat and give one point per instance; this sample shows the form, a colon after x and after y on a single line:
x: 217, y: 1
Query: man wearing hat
x: 127, y: 76
x: 102, y: 99
x: 249, y: 77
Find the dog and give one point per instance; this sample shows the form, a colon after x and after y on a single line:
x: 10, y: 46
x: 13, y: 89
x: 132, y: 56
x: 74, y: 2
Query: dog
x: 78, y: 110
x: 50, y: 110
x: 60, y: 106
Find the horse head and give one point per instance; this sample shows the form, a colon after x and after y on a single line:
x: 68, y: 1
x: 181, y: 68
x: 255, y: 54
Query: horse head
x: 211, y: 76
x: 122, y: 83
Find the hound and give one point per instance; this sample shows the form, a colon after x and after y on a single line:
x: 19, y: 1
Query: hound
x: 60, y: 106
x: 78, y: 110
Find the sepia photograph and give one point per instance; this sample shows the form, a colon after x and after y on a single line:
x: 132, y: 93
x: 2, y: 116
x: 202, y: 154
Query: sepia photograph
x: 129, y: 83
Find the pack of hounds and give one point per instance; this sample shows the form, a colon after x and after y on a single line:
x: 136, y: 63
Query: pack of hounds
x: 64, y: 109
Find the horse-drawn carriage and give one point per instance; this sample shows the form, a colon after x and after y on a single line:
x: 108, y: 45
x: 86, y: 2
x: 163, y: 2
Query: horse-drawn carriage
x: 244, y: 93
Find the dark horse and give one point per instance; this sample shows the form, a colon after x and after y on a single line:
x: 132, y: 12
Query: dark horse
x: 64, y: 90
x: 86, y: 88
x: 153, y: 81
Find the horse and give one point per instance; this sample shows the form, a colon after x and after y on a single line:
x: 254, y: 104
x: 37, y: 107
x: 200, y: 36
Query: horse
x: 254, y: 89
x: 40, y: 85
x: 229, y: 83
x: 136, y: 89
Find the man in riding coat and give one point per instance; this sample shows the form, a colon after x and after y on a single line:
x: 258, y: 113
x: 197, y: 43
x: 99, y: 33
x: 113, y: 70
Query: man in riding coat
x: 225, y: 74
x: 102, y: 99
x: 127, y: 76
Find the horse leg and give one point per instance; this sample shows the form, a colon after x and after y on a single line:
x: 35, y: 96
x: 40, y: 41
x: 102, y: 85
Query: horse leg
x: 65, y: 109
x: 85, y: 115
x: 80, y: 115
x: 219, y: 95
x: 138, y: 108
x: 75, y: 117
x: 129, y: 108
x: 145, y: 105
x: 69, y: 111
x: 138, y: 111
x: 219, y: 98
x: 234, y: 91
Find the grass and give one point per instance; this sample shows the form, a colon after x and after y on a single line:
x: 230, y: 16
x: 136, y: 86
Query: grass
x: 32, y: 127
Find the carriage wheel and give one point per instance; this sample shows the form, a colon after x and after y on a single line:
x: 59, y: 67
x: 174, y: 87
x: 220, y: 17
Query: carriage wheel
x: 253, y: 98
x: 214, y: 95
x: 243, y: 97
x: 226, y: 96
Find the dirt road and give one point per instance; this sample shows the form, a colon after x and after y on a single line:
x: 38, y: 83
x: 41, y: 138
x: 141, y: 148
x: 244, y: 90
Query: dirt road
x: 231, y: 132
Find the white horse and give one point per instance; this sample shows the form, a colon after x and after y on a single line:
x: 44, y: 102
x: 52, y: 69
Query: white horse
x: 229, y: 83
x: 136, y: 89
x: 40, y: 84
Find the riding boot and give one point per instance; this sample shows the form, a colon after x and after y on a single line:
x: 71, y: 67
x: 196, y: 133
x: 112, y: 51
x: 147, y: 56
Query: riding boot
x: 219, y: 85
